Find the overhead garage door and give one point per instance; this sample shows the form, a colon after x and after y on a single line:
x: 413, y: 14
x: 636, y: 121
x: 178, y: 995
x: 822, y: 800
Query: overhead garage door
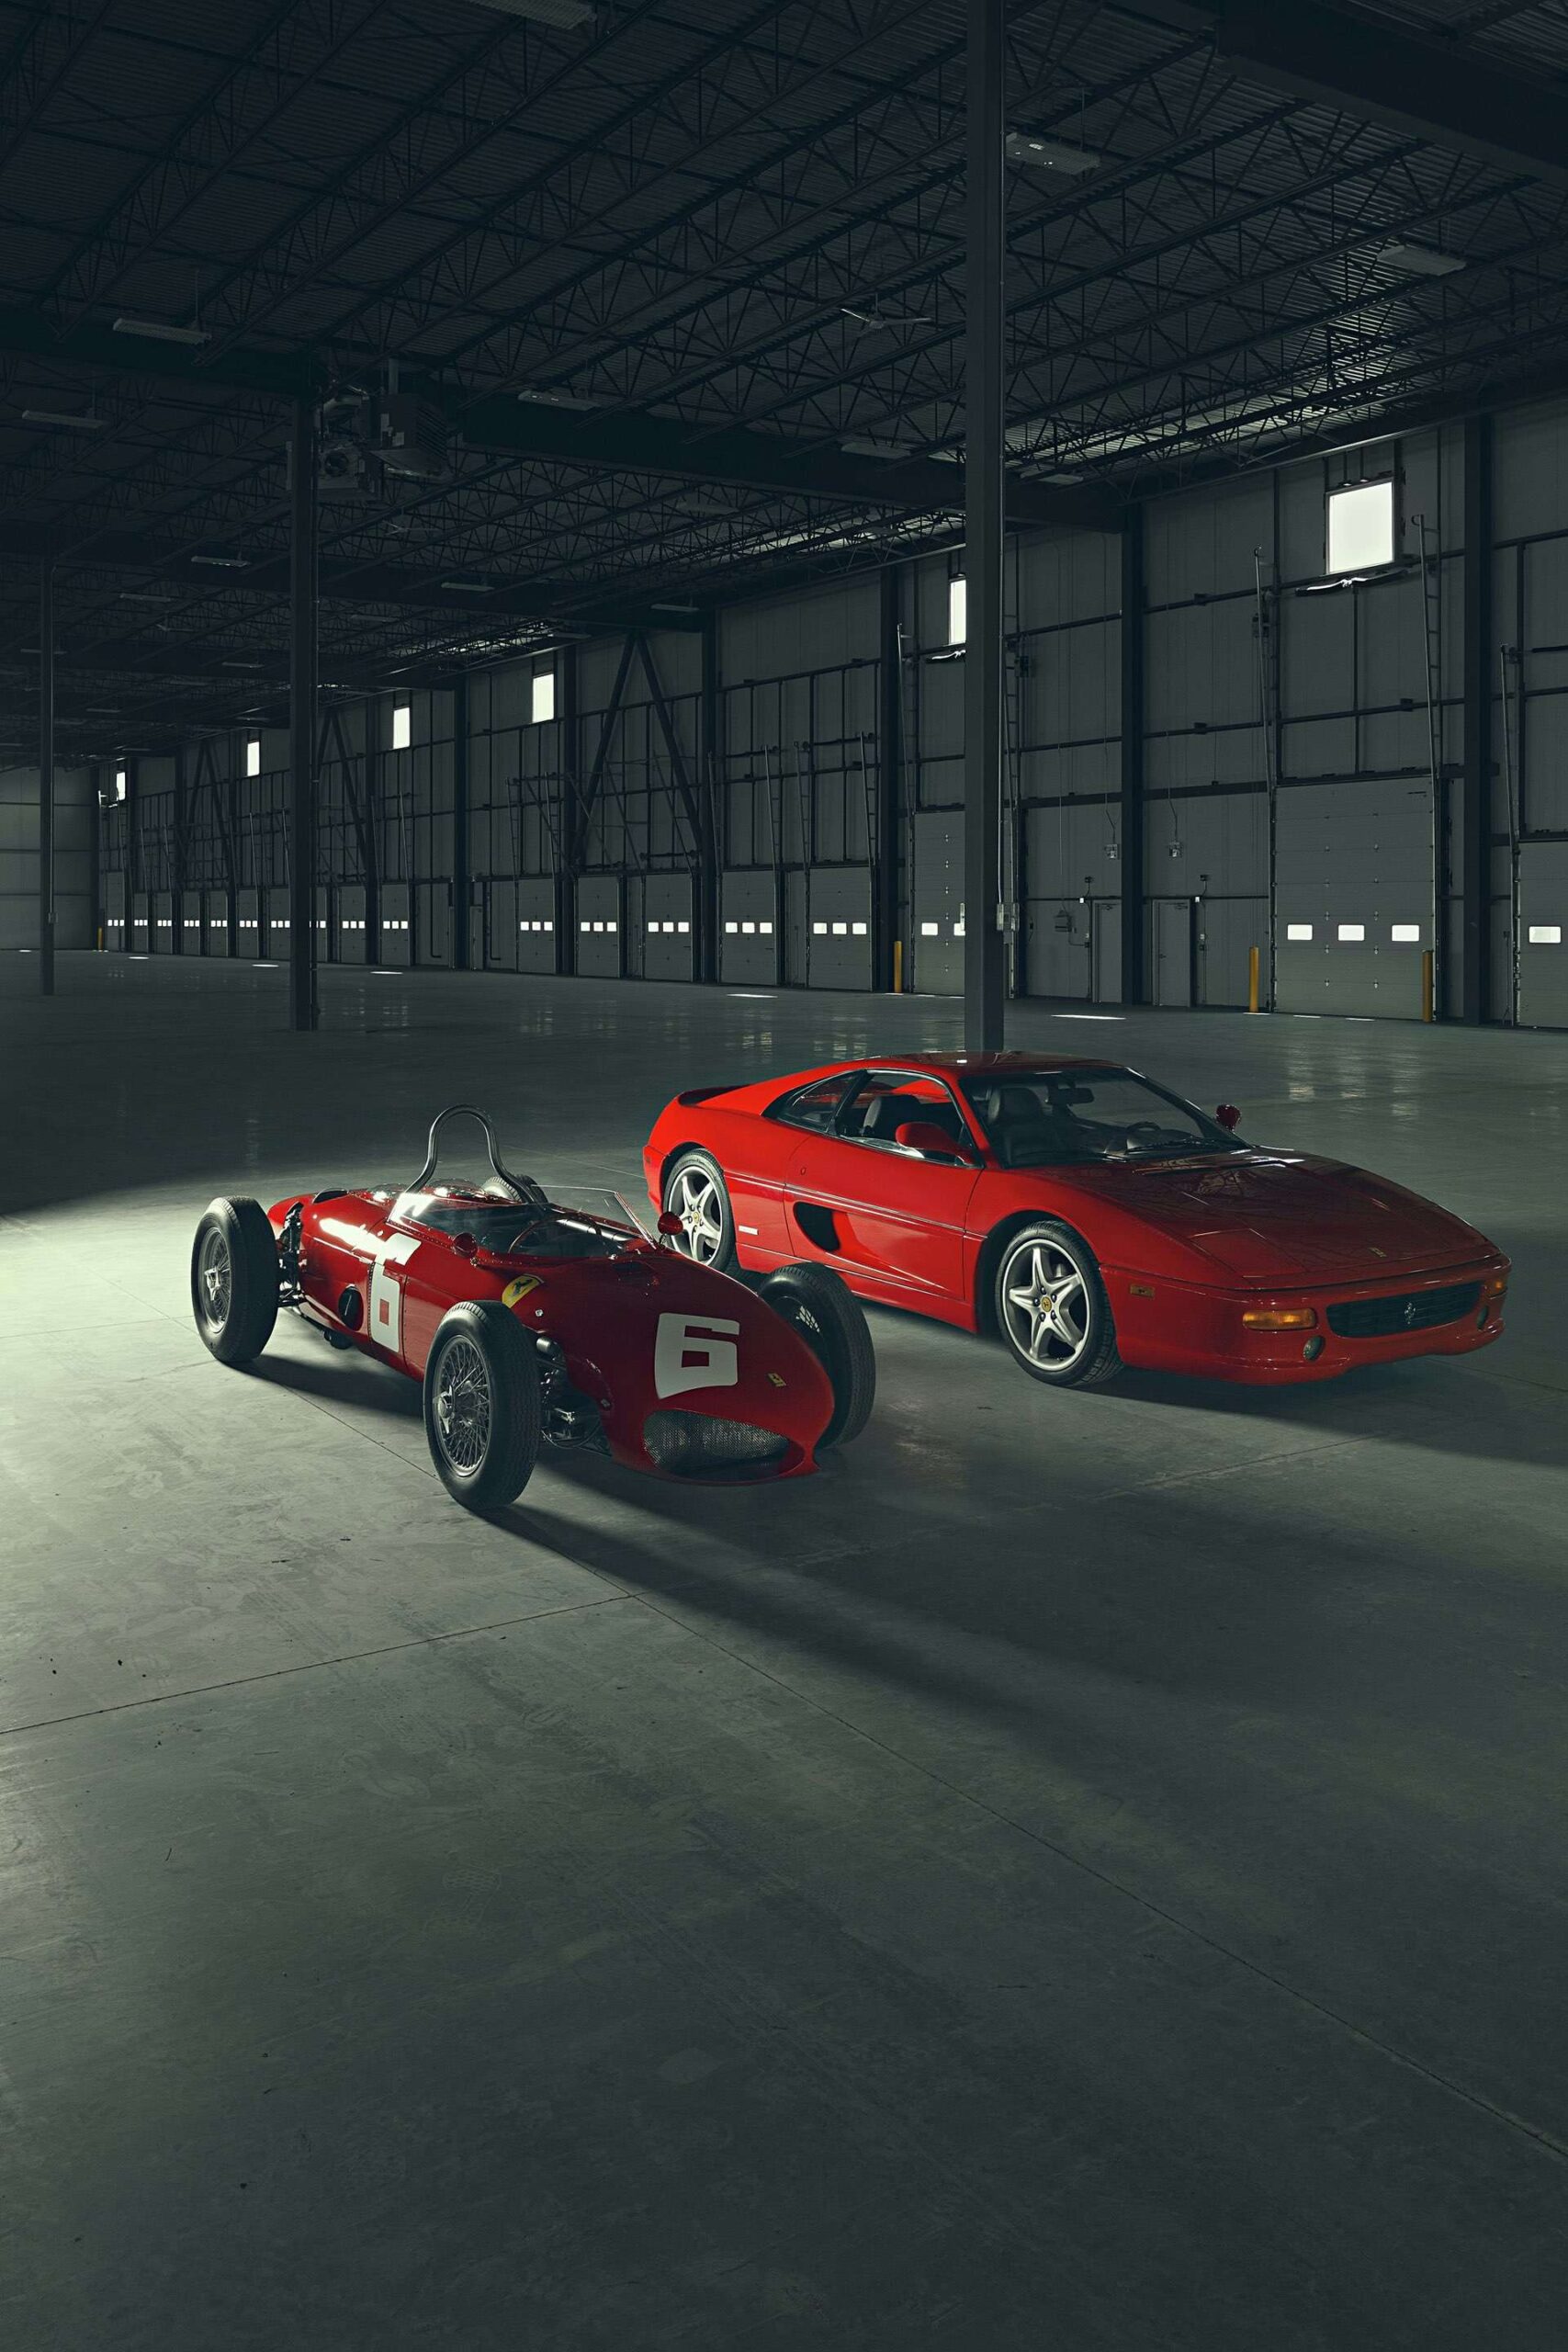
x: 667, y: 942
x: 839, y: 913
x: 934, y: 959
x: 536, y: 950
x: 1353, y: 899
x: 1543, y: 935
x: 140, y: 923
x: 598, y: 937
x: 748, y: 929
x: 352, y: 940
x: 215, y: 915
x: 394, y: 939
x: 165, y: 913
x: 247, y: 923
x: 115, y: 900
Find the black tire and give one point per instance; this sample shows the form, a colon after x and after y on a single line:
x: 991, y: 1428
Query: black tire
x: 691, y: 1177
x: 830, y: 1320
x: 482, y: 1407
x: 1077, y: 1350
x: 233, y: 1280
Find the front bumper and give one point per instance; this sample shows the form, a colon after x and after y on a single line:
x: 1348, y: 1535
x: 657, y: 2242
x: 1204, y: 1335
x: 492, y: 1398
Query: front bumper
x: 1170, y: 1328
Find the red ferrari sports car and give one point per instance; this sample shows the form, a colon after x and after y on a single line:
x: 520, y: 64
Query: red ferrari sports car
x: 1093, y: 1218
x: 530, y: 1323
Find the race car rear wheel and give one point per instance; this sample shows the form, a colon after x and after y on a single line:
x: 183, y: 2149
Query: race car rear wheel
x: 694, y: 1191
x: 233, y: 1280
x: 481, y: 1405
x: 830, y: 1318
x: 1052, y: 1308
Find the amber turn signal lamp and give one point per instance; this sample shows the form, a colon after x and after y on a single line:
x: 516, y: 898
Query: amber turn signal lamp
x: 1495, y: 1285
x: 1280, y: 1318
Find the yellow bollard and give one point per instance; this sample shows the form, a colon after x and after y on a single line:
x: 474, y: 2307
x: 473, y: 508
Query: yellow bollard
x: 897, y: 967
x: 1252, y: 979
x: 1426, y: 1012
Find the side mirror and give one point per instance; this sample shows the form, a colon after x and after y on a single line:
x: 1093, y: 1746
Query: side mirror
x: 464, y: 1244
x: 932, y: 1142
x: 1228, y: 1116
x: 669, y: 1224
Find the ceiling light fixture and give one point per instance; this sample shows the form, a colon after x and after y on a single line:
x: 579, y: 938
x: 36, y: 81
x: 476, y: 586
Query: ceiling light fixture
x: 564, y: 15
x: 159, y: 331
x: 558, y: 400
x: 143, y: 596
x: 224, y: 563
x: 1422, y: 261
x: 69, y: 421
x: 470, y: 587
x: 1041, y: 154
x: 241, y: 665
x: 868, y: 447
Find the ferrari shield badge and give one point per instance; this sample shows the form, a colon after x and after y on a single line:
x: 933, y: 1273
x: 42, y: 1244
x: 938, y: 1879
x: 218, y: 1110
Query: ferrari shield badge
x: 521, y: 1288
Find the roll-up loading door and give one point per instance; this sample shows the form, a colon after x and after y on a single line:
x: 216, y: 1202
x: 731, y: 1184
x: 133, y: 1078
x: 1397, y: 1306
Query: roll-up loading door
x: 669, y: 944
x: 433, y: 924
x: 598, y: 937
x: 164, y: 916
x: 395, y: 944
x: 215, y: 915
x: 535, y: 923
x: 275, y: 921
x: 933, y: 956
x: 192, y: 928
x: 1353, y: 898
x: 141, y: 934
x: 749, y: 928
x: 1543, y: 934
x: 247, y: 923
x: 838, y: 913
x: 352, y: 936
x: 115, y: 898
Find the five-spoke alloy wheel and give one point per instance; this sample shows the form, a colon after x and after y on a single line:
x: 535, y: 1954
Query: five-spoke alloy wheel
x: 694, y: 1191
x: 1052, y: 1308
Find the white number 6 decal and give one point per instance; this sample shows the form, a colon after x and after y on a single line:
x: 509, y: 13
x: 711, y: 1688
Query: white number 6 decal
x: 692, y: 1352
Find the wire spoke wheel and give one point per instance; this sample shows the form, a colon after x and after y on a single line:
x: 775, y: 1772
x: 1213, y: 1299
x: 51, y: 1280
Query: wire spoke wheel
x: 694, y: 1197
x: 215, y: 1278
x: 462, y: 1401
x: 1045, y: 1301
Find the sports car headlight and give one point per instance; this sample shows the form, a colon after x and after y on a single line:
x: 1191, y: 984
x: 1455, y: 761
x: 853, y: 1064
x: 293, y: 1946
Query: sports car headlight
x: 689, y: 1443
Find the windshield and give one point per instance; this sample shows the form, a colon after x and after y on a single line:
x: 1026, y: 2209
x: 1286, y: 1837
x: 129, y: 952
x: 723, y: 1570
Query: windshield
x: 1046, y: 1118
x: 510, y: 1230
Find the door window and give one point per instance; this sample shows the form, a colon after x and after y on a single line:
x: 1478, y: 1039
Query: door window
x: 818, y: 1105
x: 891, y: 1099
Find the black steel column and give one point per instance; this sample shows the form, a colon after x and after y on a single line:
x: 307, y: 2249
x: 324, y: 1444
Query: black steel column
x: 46, y: 775
x: 177, y: 872
x: 568, y: 818
x: 1479, y: 671
x: 462, y: 862
x: 1131, y: 830
x: 302, y: 699
x: 885, y: 848
x: 982, y: 556
x: 709, y: 768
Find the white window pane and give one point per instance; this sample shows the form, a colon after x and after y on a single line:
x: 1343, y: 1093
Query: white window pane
x: 544, y: 700
x: 550, y: 925
x: 819, y: 931
x: 957, y: 610
x: 930, y: 930
x: 1360, y: 527
x: 748, y: 928
x: 731, y: 929
x: 587, y: 926
x: 682, y: 926
x: 841, y: 931
x: 1546, y: 934
x: 253, y: 757
x: 859, y: 930
x: 1298, y: 930
x: 766, y: 929
x: 958, y: 931
x: 402, y: 726
x: 1409, y: 933
x: 1352, y: 931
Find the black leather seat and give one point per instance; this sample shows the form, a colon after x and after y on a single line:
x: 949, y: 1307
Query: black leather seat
x: 886, y: 1114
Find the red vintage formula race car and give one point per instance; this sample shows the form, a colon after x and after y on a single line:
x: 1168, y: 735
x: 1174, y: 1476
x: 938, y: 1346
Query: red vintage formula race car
x: 529, y: 1323
x: 1093, y: 1218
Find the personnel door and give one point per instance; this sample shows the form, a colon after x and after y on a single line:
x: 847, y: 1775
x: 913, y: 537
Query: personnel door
x: 883, y: 1216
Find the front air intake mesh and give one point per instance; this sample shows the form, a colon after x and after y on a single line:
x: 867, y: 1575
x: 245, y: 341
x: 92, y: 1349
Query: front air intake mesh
x: 695, y: 1446
x: 1417, y: 1310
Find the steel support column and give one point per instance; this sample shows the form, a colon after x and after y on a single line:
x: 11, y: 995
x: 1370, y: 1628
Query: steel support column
x: 1480, y: 662
x: 46, y: 775
x: 884, y: 849
x: 462, y: 863
x: 984, y: 532
x: 178, y: 862
x: 709, y: 769
x: 1131, y: 829
x: 303, y: 747
x: 569, y: 819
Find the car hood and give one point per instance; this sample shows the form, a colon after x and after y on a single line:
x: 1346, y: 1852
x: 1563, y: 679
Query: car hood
x: 1271, y: 1216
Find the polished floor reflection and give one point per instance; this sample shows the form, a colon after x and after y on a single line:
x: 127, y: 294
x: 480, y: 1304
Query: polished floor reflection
x: 1083, y: 1871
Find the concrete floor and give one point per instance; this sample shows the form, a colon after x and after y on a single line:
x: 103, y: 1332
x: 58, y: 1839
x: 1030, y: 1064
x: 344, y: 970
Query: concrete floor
x: 1083, y: 1871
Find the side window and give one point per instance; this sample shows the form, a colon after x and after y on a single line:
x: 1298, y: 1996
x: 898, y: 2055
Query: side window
x: 894, y: 1098
x: 816, y: 1106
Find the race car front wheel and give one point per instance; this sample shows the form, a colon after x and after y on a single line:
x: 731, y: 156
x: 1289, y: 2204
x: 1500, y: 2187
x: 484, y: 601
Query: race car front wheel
x: 1052, y: 1308
x: 694, y: 1191
x: 233, y: 1280
x: 830, y: 1318
x: 481, y: 1405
